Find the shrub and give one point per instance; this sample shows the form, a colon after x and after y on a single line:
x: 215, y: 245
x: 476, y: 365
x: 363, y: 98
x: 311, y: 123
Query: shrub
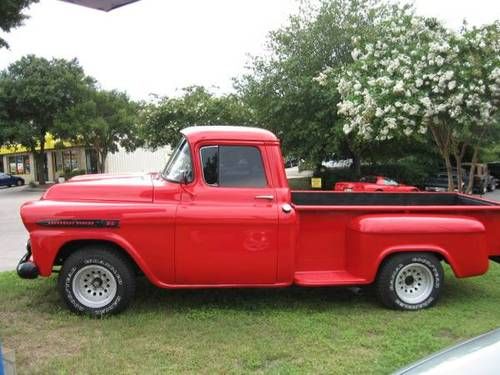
x: 68, y: 173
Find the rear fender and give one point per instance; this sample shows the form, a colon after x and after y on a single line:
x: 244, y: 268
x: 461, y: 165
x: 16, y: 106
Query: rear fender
x: 460, y: 240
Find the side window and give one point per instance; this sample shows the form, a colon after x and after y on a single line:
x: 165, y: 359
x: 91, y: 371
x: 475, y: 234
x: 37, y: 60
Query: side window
x: 233, y: 166
x: 388, y: 181
x: 210, y: 164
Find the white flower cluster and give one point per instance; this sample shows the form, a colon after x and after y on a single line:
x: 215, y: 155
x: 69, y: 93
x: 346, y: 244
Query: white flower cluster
x: 416, y: 76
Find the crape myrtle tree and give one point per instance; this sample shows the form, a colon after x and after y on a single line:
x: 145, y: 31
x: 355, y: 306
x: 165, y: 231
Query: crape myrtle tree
x: 281, y: 86
x: 11, y: 16
x: 34, y: 93
x: 480, y: 74
x: 419, y: 77
x: 103, y: 122
x: 161, y: 121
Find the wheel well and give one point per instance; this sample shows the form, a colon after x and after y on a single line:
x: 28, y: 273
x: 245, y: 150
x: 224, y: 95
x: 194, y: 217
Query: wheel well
x: 437, y: 254
x: 68, y: 248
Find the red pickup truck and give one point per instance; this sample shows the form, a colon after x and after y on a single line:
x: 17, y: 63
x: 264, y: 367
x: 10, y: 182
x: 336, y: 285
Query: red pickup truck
x: 374, y: 183
x: 221, y: 215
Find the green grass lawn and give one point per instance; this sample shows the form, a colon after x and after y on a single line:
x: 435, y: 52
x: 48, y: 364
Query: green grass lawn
x: 295, y: 330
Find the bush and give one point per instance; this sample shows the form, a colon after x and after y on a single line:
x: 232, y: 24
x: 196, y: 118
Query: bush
x: 68, y: 173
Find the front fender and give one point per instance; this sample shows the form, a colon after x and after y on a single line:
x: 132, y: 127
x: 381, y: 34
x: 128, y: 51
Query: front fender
x: 46, y: 245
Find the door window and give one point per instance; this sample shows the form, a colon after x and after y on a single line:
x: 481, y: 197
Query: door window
x: 233, y: 166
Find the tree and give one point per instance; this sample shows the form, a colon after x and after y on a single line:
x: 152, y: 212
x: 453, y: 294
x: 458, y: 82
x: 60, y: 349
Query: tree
x: 103, y: 123
x: 35, y: 92
x: 11, y: 15
x: 162, y: 121
x: 415, y: 80
x: 281, y: 86
x: 479, y: 53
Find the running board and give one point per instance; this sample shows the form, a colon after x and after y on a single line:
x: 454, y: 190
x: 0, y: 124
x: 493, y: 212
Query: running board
x: 320, y: 278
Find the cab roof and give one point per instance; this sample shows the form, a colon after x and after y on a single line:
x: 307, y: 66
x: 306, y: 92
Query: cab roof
x: 227, y: 133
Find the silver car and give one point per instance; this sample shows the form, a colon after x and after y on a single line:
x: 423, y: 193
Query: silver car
x: 478, y: 356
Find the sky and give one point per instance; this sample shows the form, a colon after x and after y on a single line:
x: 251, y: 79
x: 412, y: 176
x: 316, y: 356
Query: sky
x: 161, y: 46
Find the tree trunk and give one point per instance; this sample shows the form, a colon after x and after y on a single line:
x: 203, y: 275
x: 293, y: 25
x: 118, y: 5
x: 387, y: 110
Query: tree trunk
x: 442, y: 137
x: 458, y: 159
x: 470, y: 185
x: 40, y: 160
x: 101, y: 160
x: 449, y: 171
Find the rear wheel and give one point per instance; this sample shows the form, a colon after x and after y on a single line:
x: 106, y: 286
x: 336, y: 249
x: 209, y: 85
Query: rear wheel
x: 97, y: 281
x: 411, y: 281
x: 19, y: 182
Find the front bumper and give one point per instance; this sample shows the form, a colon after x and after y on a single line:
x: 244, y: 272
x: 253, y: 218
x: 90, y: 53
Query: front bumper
x: 26, y: 269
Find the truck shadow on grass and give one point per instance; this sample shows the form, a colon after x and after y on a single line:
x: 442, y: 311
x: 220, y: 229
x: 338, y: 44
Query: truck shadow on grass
x: 255, y: 300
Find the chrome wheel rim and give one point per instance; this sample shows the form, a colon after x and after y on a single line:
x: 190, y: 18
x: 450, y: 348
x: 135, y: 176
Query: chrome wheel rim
x: 414, y: 283
x: 94, y: 286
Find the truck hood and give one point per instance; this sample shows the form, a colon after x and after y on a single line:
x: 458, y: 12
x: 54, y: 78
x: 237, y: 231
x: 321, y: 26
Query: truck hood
x: 104, y: 188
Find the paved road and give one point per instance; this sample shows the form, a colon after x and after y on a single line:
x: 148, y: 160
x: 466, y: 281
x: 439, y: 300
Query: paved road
x: 13, y: 235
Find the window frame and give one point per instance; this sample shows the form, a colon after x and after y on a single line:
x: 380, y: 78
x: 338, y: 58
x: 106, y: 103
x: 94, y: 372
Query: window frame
x: 259, y: 149
x: 175, y: 154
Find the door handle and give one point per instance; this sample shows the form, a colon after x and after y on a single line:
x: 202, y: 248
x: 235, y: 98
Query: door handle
x: 266, y: 197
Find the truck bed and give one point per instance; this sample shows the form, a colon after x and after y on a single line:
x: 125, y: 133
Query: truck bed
x: 341, y: 233
x: 331, y: 198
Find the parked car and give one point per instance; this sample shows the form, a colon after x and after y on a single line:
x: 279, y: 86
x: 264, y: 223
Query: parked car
x: 374, y: 183
x: 494, y: 168
x: 221, y: 215
x: 475, y: 356
x: 10, y: 180
x: 483, y: 180
x: 439, y: 182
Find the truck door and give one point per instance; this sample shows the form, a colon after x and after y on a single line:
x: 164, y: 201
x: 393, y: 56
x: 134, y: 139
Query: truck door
x: 227, y: 222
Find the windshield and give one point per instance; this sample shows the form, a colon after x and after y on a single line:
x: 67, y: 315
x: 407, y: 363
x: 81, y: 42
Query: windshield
x: 179, y: 164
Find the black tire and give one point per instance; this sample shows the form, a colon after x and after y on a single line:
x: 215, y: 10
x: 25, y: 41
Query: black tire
x: 19, y: 183
x: 402, y: 271
x: 112, y: 263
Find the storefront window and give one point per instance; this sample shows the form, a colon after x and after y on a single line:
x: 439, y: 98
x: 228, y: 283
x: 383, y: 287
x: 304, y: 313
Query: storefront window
x: 67, y: 159
x: 70, y: 159
x: 19, y: 164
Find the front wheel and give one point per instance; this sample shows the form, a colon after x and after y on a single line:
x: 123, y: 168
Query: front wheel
x: 19, y: 183
x: 411, y: 281
x: 96, y: 281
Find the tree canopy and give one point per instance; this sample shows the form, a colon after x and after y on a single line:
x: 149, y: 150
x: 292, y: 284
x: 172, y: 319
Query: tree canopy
x: 103, y: 122
x: 162, y: 121
x: 11, y: 15
x: 34, y: 93
x: 281, y: 87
